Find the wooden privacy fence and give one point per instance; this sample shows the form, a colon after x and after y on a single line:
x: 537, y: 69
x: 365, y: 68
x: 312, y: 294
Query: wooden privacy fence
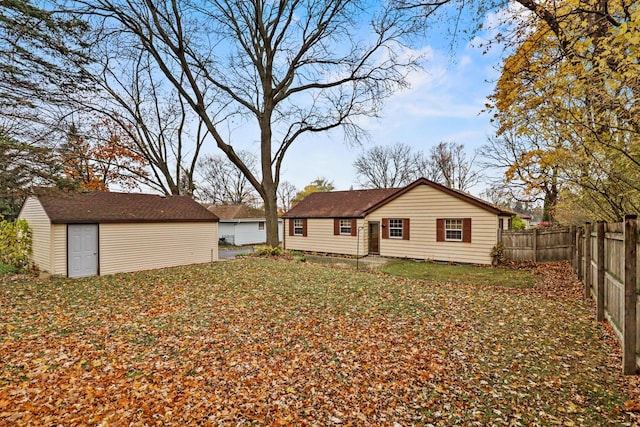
x: 606, y: 262
x: 539, y: 244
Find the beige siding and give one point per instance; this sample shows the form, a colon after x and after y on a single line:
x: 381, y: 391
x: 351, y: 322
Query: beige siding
x: 320, y: 238
x: 59, y: 249
x: 423, y: 205
x: 40, y: 226
x: 134, y: 247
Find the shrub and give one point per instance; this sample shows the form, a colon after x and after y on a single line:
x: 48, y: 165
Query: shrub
x: 497, y: 253
x: 298, y: 256
x: 268, y: 251
x: 15, y: 244
x: 518, y: 223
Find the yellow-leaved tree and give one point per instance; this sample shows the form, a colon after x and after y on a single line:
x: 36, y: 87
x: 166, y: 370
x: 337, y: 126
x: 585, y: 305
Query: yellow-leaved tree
x: 566, y: 107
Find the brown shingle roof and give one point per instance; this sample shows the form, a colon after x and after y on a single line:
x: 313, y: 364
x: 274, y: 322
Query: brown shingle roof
x: 339, y: 204
x: 235, y: 211
x: 108, y: 207
x: 359, y: 203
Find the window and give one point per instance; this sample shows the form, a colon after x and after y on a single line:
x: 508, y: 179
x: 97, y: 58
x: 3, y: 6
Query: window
x: 395, y: 228
x: 453, y: 230
x: 345, y: 227
x: 260, y: 225
x: 297, y: 227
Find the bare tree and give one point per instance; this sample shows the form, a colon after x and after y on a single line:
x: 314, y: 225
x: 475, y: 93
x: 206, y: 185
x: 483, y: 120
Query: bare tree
x: 164, y: 129
x: 223, y: 183
x: 449, y: 165
x: 389, y: 166
x: 287, y: 68
x: 286, y: 193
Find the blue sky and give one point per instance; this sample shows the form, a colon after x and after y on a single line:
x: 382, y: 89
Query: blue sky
x: 444, y: 103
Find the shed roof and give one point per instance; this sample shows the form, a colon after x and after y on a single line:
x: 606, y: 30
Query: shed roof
x: 111, y: 207
x: 339, y: 204
x: 359, y: 203
x: 235, y: 211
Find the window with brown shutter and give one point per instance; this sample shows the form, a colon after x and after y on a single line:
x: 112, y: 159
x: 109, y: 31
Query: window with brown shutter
x: 453, y: 230
x: 344, y: 227
x: 298, y: 227
x: 395, y: 228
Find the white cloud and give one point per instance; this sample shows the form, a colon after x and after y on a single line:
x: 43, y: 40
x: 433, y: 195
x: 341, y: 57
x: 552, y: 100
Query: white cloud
x: 465, y: 61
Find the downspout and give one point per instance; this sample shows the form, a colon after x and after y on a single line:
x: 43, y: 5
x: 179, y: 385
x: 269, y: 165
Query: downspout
x: 284, y: 234
x: 360, y: 228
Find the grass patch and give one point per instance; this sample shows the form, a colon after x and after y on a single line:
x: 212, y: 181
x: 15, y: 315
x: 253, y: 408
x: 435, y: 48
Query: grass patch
x: 463, y: 274
x: 7, y: 270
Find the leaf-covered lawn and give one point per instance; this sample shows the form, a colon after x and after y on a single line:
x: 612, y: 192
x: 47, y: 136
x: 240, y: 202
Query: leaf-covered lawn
x: 267, y: 342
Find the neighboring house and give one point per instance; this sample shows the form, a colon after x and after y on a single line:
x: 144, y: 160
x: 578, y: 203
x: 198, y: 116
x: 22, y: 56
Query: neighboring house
x: 242, y: 224
x: 97, y: 233
x: 424, y: 220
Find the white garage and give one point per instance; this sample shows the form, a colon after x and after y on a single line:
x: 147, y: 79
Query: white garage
x: 97, y: 233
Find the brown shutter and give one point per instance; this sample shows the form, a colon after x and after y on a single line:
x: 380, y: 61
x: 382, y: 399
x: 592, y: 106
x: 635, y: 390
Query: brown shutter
x: 304, y: 227
x: 354, y: 227
x: 440, y: 230
x: 405, y: 229
x: 290, y: 227
x: 385, y: 228
x: 336, y: 226
x: 466, y: 230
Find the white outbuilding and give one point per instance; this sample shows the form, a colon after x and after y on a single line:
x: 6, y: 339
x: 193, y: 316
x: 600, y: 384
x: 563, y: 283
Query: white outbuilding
x: 241, y: 224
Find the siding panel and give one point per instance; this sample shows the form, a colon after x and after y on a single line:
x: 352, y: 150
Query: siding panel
x: 40, y: 225
x: 134, y: 247
x: 320, y: 238
x: 59, y: 249
x: 246, y: 232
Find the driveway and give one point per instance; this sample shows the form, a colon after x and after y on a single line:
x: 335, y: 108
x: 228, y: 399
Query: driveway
x: 231, y: 253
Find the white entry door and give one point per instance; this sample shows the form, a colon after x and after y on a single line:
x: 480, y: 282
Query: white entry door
x: 82, y: 250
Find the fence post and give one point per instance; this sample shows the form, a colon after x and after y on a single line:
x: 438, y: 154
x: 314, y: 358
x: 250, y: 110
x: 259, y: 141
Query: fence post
x: 580, y: 251
x: 587, y: 259
x: 601, y: 267
x: 573, y: 232
x: 535, y: 245
x: 630, y: 295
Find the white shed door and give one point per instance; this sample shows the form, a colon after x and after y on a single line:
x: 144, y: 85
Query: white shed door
x: 82, y: 250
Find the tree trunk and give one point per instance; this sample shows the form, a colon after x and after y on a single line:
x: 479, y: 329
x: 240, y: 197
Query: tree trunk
x: 269, y: 185
x: 271, y: 215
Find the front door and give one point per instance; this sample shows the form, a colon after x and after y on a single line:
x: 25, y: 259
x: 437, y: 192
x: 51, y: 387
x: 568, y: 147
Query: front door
x: 374, y: 238
x: 82, y: 250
